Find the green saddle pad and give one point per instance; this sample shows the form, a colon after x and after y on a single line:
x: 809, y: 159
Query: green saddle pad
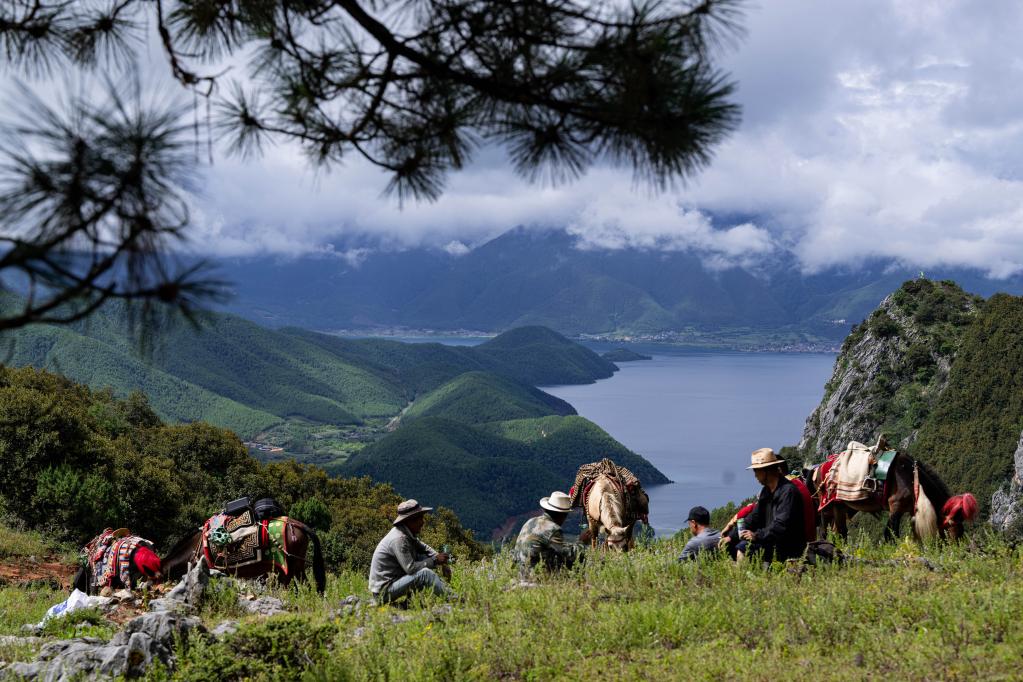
x: 884, y: 462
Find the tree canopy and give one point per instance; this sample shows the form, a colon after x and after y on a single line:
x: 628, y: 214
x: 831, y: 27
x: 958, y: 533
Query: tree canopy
x: 92, y: 196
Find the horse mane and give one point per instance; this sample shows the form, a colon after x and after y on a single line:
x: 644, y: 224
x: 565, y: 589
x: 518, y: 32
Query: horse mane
x: 180, y: 545
x: 936, y: 489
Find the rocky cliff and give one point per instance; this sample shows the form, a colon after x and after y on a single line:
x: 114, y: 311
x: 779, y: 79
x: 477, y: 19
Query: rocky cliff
x: 1007, y: 502
x: 892, y: 368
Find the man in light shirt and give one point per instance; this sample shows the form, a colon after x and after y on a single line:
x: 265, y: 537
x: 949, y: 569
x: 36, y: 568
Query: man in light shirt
x: 402, y: 563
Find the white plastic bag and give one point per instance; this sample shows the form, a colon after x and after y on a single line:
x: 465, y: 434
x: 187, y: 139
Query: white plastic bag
x: 76, y: 600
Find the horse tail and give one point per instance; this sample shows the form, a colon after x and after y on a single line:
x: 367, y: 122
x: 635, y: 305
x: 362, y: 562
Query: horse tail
x: 319, y: 569
x: 925, y: 521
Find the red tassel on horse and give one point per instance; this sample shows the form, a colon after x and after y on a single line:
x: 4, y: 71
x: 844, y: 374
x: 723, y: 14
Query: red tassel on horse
x: 965, y: 504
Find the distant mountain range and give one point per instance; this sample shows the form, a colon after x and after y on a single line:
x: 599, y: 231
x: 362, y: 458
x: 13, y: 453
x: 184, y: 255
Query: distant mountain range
x: 541, y: 277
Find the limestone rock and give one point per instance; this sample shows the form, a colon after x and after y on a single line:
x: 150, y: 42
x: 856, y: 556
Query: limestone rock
x: 228, y: 627
x: 889, y: 351
x: 264, y: 606
x: 1007, y: 502
x: 143, y: 640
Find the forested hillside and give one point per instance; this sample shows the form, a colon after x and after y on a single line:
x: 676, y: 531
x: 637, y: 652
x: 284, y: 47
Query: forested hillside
x: 321, y: 398
x: 489, y: 473
x: 478, y: 397
x: 940, y: 373
x: 972, y: 433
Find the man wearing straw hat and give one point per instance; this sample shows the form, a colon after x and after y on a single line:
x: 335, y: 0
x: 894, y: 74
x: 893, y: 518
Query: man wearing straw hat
x: 775, y: 526
x: 541, y: 541
x: 402, y: 563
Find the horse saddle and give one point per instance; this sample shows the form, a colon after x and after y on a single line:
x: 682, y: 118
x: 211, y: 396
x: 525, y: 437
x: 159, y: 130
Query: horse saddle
x: 233, y: 541
x: 877, y: 475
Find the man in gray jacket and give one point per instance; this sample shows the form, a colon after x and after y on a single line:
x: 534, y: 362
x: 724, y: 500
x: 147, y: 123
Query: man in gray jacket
x: 705, y: 538
x: 402, y: 563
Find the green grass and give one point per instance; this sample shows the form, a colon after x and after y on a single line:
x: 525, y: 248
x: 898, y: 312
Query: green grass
x: 643, y: 616
x: 15, y: 543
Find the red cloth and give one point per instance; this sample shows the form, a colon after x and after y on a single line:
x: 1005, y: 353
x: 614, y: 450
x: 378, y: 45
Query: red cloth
x: 147, y: 562
x: 744, y: 512
x: 825, y: 496
x: 809, y: 514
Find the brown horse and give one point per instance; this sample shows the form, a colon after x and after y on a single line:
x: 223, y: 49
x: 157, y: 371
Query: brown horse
x: 912, y: 488
x: 297, y: 537
x: 615, y: 511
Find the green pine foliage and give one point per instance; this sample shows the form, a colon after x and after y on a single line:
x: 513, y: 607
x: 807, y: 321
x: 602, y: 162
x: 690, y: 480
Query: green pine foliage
x: 479, y: 397
x: 973, y: 431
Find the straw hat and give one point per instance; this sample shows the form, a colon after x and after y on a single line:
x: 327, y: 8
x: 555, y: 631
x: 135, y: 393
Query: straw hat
x: 557, y: 502
x: 763, y: 458
x: 408, y: 509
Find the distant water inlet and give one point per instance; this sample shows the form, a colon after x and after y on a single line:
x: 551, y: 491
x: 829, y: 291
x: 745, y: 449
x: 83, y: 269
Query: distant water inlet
x: 697, y: 416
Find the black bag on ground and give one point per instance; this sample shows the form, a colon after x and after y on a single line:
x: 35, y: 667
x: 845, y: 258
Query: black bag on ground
x: 268, y: 508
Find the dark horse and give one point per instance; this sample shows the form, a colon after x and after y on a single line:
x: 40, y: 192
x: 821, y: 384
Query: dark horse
x: 297, y: 537
x: 912, y: 488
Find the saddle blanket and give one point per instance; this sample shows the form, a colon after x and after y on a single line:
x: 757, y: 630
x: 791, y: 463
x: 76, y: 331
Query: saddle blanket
x: 246, y: 541
x: 109, y: 556
x: 842, y: 475
x: 589, y: 472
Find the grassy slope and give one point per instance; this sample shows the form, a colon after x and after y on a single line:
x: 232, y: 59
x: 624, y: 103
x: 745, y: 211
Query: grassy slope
x: 641, y: 616
x: 478, y: 397
x: 973, y: 431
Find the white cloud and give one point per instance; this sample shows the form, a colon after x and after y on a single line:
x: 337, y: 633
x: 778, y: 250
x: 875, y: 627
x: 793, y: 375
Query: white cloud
x: 880, y: 128
x: 456, y: 248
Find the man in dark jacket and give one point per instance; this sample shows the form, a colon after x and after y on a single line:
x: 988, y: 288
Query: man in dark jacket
x: 775, y: 526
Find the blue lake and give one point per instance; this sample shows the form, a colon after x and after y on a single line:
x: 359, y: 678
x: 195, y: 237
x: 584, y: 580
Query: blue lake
x: 697, y: 416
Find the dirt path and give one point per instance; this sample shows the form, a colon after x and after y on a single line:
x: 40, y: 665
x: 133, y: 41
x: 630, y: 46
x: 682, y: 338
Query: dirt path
x: 22, y: 571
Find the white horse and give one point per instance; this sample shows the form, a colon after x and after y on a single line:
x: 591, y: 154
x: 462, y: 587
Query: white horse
x: 608, y: 510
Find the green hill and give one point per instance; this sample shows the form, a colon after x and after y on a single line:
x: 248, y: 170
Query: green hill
x: 100, y: 365
x: 540, y: 356
x: 624, y: 355
x: 940, y: 373
x: 478, y: 397
x: 563, y: 443
x: 489, y: 473
x: 484, y: 478
x: 236, y: 374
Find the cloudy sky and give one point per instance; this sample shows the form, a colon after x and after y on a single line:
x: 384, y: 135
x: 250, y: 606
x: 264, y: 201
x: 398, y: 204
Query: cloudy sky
x: 875, y: 128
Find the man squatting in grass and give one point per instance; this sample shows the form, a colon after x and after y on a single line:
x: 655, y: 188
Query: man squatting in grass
x: 705, y: 538
x: 541, y: 541
x: 775, y: 526
x: 402, y: 563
